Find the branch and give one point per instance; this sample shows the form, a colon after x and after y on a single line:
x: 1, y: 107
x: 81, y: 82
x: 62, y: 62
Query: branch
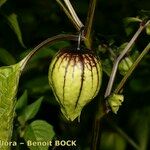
x: 70, y: 12
x: 115, y: 66
x: 121, y: 84
x: 47, y: 42
x: 89, y: 22
x: 73, y: 13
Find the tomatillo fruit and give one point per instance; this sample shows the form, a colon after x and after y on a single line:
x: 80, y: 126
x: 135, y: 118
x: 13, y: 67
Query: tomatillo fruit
x: 75, y: 77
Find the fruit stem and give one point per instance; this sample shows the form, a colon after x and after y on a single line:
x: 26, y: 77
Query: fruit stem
x: 97, y: 127
x: 47, y: 42
x: 89, y: 23
x: 70, y: 12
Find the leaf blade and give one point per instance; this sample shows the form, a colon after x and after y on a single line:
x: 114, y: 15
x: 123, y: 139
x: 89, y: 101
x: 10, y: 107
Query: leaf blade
x: 2, y: 2
x: 6, y: 57
x: 14, y: 25
x: 9, y: 80
x: 30, y: 111
x: 39, y: 131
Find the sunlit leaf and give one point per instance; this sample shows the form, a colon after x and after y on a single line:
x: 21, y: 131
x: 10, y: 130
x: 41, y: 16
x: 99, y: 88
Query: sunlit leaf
x: 6, y: 58
x: 39, y: 131
x: 13, y: 23
x: 9, y: 79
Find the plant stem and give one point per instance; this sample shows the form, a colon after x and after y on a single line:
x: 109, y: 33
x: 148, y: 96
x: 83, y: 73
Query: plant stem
x: 96, y: 134
x: 97, y: 126
x: 47, y: 42
x: 120, y: 85
x: 70, y: 12
x: 103, y: 112
x: 89, y: 23
x: 115, y: 66
x: 73, y: 13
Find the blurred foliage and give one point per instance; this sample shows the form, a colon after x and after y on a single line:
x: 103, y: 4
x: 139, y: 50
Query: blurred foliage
x: 28, y: 22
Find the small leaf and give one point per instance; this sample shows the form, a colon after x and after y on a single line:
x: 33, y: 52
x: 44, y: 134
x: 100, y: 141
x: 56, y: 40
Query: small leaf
x: 135, y: 55
x: 2, y: 2
x: 39, y: 131
x: 122, y: 47
x: 13, y: 23
x: 148, y: 29
x: 115, y: 101
x: 129, y: 30
x: 145, y: 13
x: 30, y: 111
x: 6, y: 57
x: 131, y: 19
x: 125, y: 65
x: 107, y: 66
x: 22, y: 101
x: 102, y: 48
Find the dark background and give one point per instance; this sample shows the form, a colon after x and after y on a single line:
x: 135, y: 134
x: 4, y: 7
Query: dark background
x: 40, y: 19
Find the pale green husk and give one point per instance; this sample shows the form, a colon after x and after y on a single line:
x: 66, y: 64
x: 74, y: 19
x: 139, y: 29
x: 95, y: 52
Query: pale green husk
x: 65, y: 81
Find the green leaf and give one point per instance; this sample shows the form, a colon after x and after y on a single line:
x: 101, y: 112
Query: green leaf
x: 107, y: 66
x: 2, y: 2
x: 9, y: 79
x: 30, y: 111
x: 39, y: 131
x: 102, y: 48
x: 22, y: 101
x: 13, y: 23
x: 112, y: 141
x: 145, y: 13
x: 124, y: 65
x: 115, y: 101
x: 131, y: 19
x: 135, y: 55
x: 122, y: 47
x: 6, y: 57
x: 37, y: 85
